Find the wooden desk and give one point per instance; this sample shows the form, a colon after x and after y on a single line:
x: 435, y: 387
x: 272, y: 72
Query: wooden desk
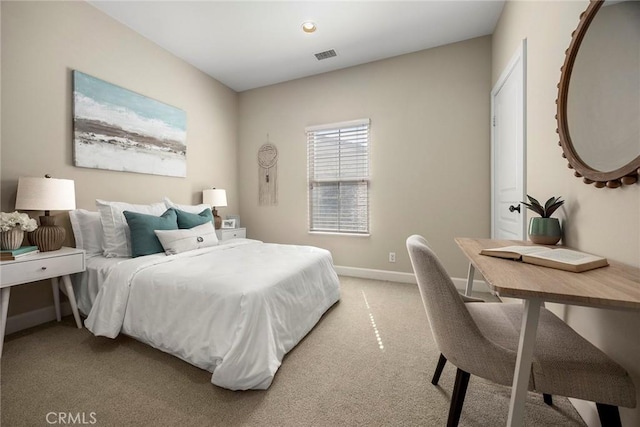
x: 615, y: 286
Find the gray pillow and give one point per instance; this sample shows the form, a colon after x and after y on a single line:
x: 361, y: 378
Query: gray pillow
x: 187, y: 239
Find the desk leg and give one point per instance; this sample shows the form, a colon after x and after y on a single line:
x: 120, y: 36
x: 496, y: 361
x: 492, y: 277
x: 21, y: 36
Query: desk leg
x: 56, y: 297
x: 470, y: 274
x: 4, y: 304
x: 523, y: 362
x: 72, y: 299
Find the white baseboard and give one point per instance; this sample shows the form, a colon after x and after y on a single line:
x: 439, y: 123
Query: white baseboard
x: 368, y: 273
x: 35, y: 317
x: 396, y: 276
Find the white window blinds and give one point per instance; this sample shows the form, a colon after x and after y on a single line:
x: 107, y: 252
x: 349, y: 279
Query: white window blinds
x: 338, y: 175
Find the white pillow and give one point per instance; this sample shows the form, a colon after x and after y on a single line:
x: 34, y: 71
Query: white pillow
x: 87, y: 229
x: 187, y: 239
x: 117, y: 241
x: 196, y: 209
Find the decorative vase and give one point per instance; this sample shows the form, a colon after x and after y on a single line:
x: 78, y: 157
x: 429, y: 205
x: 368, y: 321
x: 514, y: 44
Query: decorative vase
x: 47, y: 237
x: 11, y: 239
x: 545, y: 231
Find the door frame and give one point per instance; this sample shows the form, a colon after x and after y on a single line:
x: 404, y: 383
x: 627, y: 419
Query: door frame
x: 519, y: 58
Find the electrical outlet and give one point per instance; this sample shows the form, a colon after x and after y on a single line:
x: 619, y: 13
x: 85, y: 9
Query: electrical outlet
x: 392, y: 257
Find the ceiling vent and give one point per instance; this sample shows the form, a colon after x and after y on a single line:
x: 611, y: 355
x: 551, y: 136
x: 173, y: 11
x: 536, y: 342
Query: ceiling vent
x: 326, y: 54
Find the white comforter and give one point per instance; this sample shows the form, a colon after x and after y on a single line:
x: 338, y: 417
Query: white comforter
x: 233, y: 309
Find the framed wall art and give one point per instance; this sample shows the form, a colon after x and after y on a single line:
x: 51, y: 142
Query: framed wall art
x: 117, y: 129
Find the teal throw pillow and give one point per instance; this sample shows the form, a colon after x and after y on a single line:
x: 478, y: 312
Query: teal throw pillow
x: 143, y: 239
x: 190, y: 220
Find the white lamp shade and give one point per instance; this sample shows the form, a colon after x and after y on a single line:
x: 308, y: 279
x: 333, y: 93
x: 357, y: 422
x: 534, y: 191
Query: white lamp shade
x: 45, y: 194
x: 214, y: 197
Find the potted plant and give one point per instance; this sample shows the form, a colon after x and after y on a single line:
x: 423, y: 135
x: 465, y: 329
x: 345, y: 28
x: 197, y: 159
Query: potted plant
x: 544, y: 230
x: 12, y: 228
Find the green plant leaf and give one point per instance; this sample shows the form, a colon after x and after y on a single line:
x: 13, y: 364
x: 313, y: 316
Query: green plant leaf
x: 551, y: 209
x: 534, y: 201
x: 536, y: 208
x: 549, y: 202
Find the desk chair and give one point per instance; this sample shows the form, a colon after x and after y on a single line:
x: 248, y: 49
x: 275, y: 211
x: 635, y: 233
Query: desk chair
x: 482, y: 339
x: 548, y: 399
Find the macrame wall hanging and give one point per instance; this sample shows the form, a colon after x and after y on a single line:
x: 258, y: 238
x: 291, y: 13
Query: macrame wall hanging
x: 268, y: 174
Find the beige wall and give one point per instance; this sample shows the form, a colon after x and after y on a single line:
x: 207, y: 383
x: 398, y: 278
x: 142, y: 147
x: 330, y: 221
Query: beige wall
x: 42, y: 42
x: 430, y: 164
x: 602, y: 221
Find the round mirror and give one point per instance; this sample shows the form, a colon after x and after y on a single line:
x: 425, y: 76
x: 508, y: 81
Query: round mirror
x: 599, y: 95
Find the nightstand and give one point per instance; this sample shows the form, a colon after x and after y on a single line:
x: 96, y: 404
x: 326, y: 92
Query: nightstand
x: 44, y: 265
x: 231, y: 233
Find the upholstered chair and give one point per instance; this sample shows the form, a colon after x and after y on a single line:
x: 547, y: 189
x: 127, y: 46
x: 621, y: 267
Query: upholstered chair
x: 482, y: 339
x: 548, y: 399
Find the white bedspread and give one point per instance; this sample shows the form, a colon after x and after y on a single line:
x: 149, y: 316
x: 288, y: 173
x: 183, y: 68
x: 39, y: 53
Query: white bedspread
x: 233, y: 309
x: 87, y: 284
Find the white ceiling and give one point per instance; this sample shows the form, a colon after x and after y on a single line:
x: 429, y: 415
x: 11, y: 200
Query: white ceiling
x: 249, y: 44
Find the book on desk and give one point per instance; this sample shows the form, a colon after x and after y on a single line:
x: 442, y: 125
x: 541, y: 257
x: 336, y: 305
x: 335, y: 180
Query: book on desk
x: 560, y: 258
x: 13, y: 254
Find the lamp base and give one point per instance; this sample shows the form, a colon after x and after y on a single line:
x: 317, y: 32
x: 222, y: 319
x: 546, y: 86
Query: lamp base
x: 47, y: 237
x: 217, y: 220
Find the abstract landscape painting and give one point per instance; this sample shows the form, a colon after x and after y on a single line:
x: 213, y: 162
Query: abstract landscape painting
x: 117, y: 129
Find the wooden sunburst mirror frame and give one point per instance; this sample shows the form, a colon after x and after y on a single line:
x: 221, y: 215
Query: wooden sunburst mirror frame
x: 625, y: 175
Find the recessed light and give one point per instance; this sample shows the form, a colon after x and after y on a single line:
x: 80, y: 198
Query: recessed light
x: 308, y: 27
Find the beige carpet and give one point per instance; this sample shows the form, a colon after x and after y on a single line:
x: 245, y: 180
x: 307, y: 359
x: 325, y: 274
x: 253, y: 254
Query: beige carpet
x: 340, y: 374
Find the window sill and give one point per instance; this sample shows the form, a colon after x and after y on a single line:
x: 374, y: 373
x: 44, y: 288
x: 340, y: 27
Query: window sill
x: 335, y: 233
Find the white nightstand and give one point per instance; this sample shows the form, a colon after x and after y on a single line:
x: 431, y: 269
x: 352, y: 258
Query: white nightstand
x: 231, y: 233
x: 40, y: 266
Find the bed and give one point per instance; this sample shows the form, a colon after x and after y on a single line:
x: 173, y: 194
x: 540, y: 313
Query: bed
x: 234, y: 309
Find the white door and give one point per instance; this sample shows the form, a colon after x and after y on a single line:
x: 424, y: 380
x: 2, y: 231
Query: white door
x: 508, y: 133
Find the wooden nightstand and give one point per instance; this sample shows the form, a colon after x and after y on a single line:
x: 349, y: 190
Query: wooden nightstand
x: 231, y: 233
x: 44, y: 265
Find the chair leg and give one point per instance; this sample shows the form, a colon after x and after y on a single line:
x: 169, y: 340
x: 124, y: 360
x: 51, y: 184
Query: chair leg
x: 547, y: 399
x: 609, y: 415
x: 457, y: 397
x: 436, y: 375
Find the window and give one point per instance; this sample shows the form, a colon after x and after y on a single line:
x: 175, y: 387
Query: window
x: 338, y: 174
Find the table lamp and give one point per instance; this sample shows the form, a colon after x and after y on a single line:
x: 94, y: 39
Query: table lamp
x: 46, y: 194
x: 215, y: 197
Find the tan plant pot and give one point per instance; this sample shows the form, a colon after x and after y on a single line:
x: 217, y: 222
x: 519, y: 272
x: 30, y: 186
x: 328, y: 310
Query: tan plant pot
x: 11, y: 239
